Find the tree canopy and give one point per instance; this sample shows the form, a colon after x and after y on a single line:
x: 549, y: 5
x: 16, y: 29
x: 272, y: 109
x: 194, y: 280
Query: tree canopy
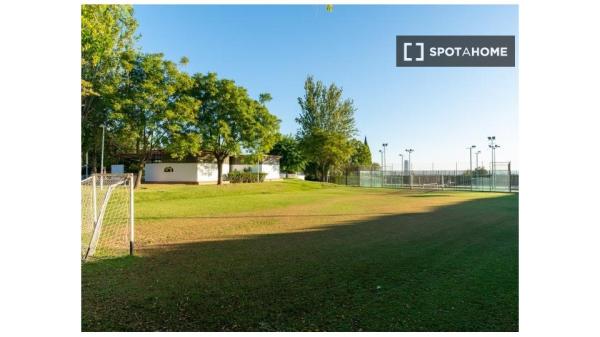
x: 155, y: 109
x: 327, y: 126
x: 292, y: 159
x: 229, y: 120
x: 361, y: 155
x: 107, y: 32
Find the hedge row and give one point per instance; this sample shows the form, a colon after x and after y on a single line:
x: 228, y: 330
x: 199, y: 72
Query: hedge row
x: 244, y: 177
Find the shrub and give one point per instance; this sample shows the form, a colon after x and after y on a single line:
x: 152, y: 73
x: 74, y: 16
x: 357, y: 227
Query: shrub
x: 244, y: 177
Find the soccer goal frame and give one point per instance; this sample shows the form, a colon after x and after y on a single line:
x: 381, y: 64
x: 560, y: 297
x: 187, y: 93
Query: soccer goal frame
x: 107, y: 215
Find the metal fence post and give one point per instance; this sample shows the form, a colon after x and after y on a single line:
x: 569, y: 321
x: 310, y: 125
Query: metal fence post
x: 131, y: 214
x: 94, y: 199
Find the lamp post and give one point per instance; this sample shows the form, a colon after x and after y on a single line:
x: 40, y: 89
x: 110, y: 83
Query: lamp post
x: 470, y: 148
x: 493, y: 146
x: 477, y: 159
x: 402, y: 162
x: 410, y: 166
x: 384, y: 158
x: 402, y: 169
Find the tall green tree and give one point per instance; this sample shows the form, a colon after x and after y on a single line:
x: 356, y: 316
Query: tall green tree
x: 107, y: 31
x: 229, y: 120
x: 155, y: 109
x: 326, y: 125
x: 361, y: 155
x: 292, y: 159
x: 327, y: 150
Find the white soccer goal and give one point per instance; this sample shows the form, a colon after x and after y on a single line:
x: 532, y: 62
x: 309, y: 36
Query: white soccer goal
x: 107, y: 226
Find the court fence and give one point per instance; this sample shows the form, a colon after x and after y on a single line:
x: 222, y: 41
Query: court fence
x: 503, y: 180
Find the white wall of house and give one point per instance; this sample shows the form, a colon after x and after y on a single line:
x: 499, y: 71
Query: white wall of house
x: 272, y: 171
x: 199, y: 172
x: 208, y: 172
x: 242, y: 167
x: 182, y: 172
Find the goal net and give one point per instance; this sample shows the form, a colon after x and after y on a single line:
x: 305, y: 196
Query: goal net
x: 107, y: 215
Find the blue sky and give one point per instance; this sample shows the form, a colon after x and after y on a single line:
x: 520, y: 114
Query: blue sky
x: 436, y: 111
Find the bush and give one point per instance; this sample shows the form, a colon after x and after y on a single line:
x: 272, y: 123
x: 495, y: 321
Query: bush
x: 244, y: 177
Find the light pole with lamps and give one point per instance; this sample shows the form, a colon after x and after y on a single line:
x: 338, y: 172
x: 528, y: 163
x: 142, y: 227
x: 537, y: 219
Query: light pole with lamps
x: 470, y: 148
x: 410, y: 166
x: 402, y: 168
x: 493, y: 146
x: 384, y: 158
x: 401, y: 163
x: 477, y: 159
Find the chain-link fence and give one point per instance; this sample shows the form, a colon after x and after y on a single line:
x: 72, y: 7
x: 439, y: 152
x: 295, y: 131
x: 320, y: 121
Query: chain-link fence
x: 106, y: 215
x: 501, y: 179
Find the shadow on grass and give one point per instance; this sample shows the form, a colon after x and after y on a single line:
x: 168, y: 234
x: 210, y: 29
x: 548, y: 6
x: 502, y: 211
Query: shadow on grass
x: 452, y: 269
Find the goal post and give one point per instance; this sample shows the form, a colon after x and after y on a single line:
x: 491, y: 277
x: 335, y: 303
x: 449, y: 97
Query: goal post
x: 107, y: 216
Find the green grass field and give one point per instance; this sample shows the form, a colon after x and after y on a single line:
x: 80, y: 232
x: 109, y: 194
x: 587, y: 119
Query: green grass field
x: 295, y: 255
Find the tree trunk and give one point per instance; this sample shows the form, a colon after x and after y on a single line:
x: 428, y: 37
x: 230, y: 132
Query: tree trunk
x: 94, y: 167
x: 138, y: 180
x: 220, y: 170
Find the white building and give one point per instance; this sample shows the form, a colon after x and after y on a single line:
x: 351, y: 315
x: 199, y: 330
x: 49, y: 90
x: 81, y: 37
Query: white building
x: 205, y: 170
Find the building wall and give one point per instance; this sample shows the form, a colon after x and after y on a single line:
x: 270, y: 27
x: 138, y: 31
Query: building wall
x: 241, y: 167
x: 200, y: 172
x: 182, y: 172
x: 272, y: 171
x: 208, y: 172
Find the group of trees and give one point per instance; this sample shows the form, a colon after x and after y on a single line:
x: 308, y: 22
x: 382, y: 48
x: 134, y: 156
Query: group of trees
x: 324, y: 143
x: 147, y: 103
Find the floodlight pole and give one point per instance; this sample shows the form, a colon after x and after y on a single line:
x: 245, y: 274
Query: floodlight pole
x: 402, y: 168
x: 470, y: 148
x: 493, y: 146
x: 384, y: 158
x: 471, y: 165
x: 477, y: 159
x: 410, y: 166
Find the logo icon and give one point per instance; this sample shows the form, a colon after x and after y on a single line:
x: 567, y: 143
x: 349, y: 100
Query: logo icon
x: 421, y: 58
